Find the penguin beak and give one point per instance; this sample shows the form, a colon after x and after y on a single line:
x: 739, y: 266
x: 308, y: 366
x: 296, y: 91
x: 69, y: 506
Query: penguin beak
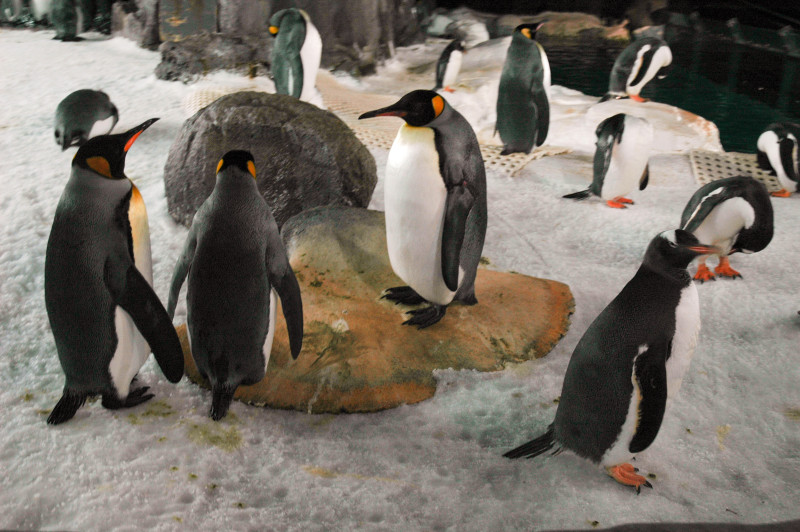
x: 704, y: 249
x: 131, y: 135
x: 392, y: 110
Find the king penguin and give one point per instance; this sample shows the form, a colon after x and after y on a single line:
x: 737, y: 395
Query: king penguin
x: 435, y: 203
x: 236, y: 262
x: 640, y: 62
x: 777, y: 152
x: 629, y: 361
x: 620, y: 160
x: 523, y: 110
x: 82, y: 115
x: 734, y: 214
x: 296, y: 54
x: 449, y: 65
x: 98, y: 300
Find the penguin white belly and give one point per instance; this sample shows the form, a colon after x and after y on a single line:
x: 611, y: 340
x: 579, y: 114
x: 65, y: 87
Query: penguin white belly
x: 684, y: 341
x: 267, y: 349
x: 140, y: 232
x: 310, y: 55
x: 452, y: 69
x: 545, y: 68
x: 126, y: 362
x: 414, y: 199
x: 628, y: 161
x: 724, y: 222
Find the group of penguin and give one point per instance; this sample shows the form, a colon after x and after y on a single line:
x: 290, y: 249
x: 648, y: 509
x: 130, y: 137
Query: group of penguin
x: 106, y: 318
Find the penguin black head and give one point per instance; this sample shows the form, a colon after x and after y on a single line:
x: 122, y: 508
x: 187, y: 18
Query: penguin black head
x: 292, y: 15
x: 675, y: 250
x: 241, y: 159
x: 417, y: 108
x: 105, y: 154
x: 529, y: 30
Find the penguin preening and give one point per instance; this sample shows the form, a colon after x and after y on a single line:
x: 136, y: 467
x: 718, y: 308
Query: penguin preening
x: 523, y: 110
x: 735, y: 214
x: 435, y: 204
x: 82, y: 115
x: 630, y: 360
x: 449, y: 65
x: 640, y: 62
x: 102, y: 309
x: 778, y: 153
x: 296, y: 54
x: 236, y: 262
x: 620, y: 160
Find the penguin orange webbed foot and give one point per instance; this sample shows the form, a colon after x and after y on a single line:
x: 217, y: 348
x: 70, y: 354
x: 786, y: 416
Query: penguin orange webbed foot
x: 449, y: 89
x: 626, y: 474
x: 425, y: 317
x: 403, y: 295
x: 724, y: 269
x: 704, y: 274
x: 615, y: 204
x: 624, y: 200
x: 782, y: 193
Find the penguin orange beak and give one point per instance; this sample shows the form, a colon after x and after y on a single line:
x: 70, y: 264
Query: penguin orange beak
x: 385, y: 111
x: 133, y: 134
x: 704, y: 249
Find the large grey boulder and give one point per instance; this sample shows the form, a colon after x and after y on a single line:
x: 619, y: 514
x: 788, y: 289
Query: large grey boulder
x: 305, y: 157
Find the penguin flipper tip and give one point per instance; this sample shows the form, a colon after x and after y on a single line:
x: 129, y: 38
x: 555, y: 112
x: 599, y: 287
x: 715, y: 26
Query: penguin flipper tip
x: 580, y: 195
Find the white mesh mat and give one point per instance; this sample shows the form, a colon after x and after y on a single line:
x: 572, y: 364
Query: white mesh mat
x: 711, y: 165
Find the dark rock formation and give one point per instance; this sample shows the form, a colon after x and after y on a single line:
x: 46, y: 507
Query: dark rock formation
x: 305, y: 157
x: 137, y: 20
x: 242, y: 17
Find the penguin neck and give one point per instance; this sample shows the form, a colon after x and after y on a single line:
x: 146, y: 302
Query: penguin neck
x: 675, y: 274
x: 228, y: 184
x: 82, y: 178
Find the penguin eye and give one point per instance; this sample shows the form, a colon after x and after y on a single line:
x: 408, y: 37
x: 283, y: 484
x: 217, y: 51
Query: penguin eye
x: 672, y: 244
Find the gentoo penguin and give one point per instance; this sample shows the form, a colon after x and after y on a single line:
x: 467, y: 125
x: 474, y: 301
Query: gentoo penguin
x: 97, y: 299
x: 449, y: 65
x: 236, y: 262
x: 734, y: 214
x: 67, y: 16
x: 639, y: 62
x: 523, y: 110
x: 620, y: 160
x: 435, y: 203
x: 82, y: 115
x: 629, y: 361
x: 296, y: 54
x: 777, y: 152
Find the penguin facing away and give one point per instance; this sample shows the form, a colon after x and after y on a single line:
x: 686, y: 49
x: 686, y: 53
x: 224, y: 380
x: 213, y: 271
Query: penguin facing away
x: 640, y: 62
x: 435, y: 204
x: 82, y: 115
x: 296, y: 54
x: 523, y: 110
x: 630, y: 360
x: 449, y: 65
x: 735, y: 214
x: 236, y: 263
x: 620, y: 160
x: 778, y: 153
x: 102, y: 309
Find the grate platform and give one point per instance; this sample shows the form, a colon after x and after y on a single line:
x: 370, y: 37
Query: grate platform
x: 711, y: 165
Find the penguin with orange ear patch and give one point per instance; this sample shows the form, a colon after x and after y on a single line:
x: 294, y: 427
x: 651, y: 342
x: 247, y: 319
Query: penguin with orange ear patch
x: 97, y: 283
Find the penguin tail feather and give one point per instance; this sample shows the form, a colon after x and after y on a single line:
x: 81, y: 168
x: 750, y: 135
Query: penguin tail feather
x: 580, y: 195
x: 221, y: 399
x: 66, y: 407
x: 535, y: 447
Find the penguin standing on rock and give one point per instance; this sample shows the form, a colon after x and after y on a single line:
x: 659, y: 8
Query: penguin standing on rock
x: 97, y: 274
x: 449, y: 65
x: 640, y: 62
x: 236, y: 262
x: 734, y: 214
x: 620, y: 161
x: 630, y: 360
x: 82, y: 115
x: 296, y: 54
x: 435, y: 202
x: 523, y: 110
x: 777, y: 152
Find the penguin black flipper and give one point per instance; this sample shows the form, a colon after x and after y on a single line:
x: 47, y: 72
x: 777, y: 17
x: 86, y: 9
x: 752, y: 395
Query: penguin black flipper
x: 580, y: 195
x: 535, y: 447
x: 645, y: 178
x: 609, y: 134
x: 134, y: 295
x: 542, y: 113
x: 787, y: 159
x: 181, y: 271
x: 650, y: 371
x: 282, y: 278
x: 458, y: 205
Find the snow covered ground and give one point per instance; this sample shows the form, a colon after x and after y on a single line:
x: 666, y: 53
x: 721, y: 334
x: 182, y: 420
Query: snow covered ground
x: 728, y: 450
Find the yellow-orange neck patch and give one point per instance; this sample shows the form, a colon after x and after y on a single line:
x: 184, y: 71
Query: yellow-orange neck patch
x: 526, y: 32
x: 438, y: 105
x: 273, y: 30
x: 251, y: 167
x: 100, y: 165
x: 219, y: 165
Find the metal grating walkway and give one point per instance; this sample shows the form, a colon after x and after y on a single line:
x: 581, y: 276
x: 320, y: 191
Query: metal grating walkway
x: 711, y: 165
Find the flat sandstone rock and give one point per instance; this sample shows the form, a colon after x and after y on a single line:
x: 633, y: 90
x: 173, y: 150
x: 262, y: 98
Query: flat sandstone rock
x: 357, y: 357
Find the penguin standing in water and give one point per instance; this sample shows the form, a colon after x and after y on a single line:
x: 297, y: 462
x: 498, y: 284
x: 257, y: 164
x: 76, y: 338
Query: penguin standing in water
x: 620, y: 161
x: 449, y: 65
x: 523, y: 110
x: 629, y: 361
x: 235, y: 261
x: 82, y: 115
x: 734, y: 214
x: 777, y: 152
x: 639, y: 62
x: 296, y: 54
x: 435, y: 202
x: 99, y: 303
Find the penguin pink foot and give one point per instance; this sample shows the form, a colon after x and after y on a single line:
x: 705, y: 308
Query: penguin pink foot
x: 724, y: 269
x: 626, y: 474
x: 782, y: 193
x: 704, y: 274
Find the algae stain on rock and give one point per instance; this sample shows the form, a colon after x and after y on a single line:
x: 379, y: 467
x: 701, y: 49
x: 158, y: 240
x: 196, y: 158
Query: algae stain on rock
x: 213, y: 433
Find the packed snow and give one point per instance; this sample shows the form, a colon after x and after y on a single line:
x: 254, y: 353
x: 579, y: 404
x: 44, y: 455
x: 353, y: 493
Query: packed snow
x: 728, y: 450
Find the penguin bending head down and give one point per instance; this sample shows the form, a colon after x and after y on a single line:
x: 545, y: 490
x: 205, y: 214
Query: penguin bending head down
x: 734, y: 214
x: 82, y: 115
x: 620, y: 161
x: 97, y: 274
x: 435, y: 203
x: 449, y: 65
x: 630, y: 360
x: 236, y: 263
x: 523, y: 110
x: 296, y: 54
x: 640, y: 61
x: 778, y: 153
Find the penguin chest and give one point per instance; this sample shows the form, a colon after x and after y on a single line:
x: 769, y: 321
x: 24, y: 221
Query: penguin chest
x: 415, y: 197
x: 310, y: 54
x: 724, y: 222
x: 684, y: 341
x: 452, y: 69
x: 628, y: 161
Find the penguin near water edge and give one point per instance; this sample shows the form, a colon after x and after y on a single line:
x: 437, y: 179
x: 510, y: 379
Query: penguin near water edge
x: 630, y: 360
x: 296, y: 54
x: 777, y: 152
x: 82, y: 115
x: 641, y: 61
